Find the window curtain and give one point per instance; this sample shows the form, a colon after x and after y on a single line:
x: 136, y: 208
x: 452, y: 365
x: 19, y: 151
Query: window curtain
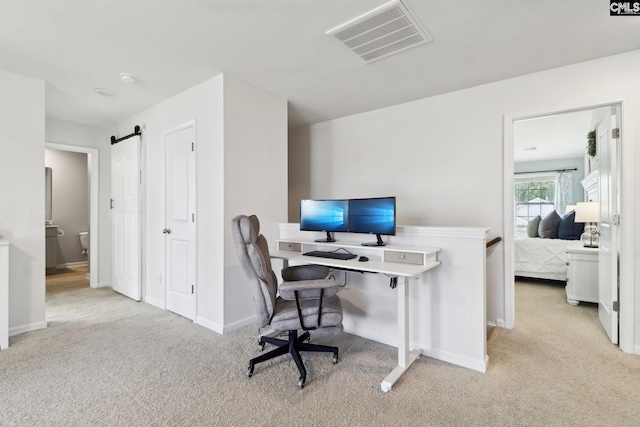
x: 564, y: 191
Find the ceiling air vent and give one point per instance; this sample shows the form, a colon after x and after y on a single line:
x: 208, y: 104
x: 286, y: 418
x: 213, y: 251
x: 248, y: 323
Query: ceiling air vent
x: 382, y: 32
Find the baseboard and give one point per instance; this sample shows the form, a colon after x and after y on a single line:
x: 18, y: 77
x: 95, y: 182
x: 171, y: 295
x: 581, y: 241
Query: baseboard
x: 72, y: 264
x: 371, y: 335
x: 154, y: 302
x: 215, y: 327
x: 475, y: 364
x: 501, y: 323
x: 479, y: 365
x: 105, y: 285
x: 239, y: 324
x: 27, y: 328
x: 636, y: 349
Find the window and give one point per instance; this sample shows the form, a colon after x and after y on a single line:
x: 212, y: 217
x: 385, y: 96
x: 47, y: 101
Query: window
x: 534, y: 195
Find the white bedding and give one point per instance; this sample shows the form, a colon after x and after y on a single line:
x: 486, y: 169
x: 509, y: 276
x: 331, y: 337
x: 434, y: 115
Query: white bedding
x: 541, y: 258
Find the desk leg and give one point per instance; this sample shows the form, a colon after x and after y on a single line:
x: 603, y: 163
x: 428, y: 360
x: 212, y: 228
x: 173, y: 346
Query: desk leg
x: 405, y: 357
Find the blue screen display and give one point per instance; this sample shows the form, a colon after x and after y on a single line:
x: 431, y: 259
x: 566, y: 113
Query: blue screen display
x: 373, y: 216
x: 324, y: 215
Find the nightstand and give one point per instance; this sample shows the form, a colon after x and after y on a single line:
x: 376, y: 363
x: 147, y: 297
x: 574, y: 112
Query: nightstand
x: 582, y: 274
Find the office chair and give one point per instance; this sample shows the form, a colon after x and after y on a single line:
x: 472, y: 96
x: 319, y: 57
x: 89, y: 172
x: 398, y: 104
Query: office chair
x: 307, y: 300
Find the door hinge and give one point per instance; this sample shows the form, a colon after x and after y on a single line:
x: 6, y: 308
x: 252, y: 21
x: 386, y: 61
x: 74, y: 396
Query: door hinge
x: 615, y: 133
x: 193, y: 217
x: 193, y: 146
x: 616, y: 220
x: 111, y: 204
x: 616, y: 306
x: 193, y: 289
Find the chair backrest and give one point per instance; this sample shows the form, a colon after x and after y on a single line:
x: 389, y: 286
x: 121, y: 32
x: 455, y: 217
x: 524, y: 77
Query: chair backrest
x: 253, y: 253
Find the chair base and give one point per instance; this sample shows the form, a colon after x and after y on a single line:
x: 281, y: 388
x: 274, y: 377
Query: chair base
x: 294, y: 345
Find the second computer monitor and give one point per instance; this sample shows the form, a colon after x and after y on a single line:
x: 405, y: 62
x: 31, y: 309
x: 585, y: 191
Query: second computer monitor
x: 373, y: 216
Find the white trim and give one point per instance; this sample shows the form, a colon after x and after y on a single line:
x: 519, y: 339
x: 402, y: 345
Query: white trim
x: 417, y: 230
x: 627, y: 230
x: 240, y: 324
x: 215, y: 327
x: 94, y: 209
x: 27, y: 328
x: 154, y: 302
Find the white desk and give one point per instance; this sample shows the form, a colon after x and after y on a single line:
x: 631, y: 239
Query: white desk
x: 408, y: 261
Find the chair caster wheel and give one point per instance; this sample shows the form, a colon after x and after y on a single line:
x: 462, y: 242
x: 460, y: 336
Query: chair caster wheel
x: 301, y: 383
x: 261, y: 344
x: 249, y: 372
x: 335, y: 358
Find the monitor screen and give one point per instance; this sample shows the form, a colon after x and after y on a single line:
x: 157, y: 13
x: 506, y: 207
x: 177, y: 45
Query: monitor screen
x: 373, y: 216
x: 324, y: 215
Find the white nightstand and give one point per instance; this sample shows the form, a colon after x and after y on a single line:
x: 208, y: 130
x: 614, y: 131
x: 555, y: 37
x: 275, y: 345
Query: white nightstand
x: 582, y: 274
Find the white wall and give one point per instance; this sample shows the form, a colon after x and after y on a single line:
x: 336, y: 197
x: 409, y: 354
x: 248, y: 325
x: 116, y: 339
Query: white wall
x: 443, y: 156
x: 202, y: 104
x: 22, y: 135
x: 68, y: 133
x: 255, y: 178
x: 240, y: 135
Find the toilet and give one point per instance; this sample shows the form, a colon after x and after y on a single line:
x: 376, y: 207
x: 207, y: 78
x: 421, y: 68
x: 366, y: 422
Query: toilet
x: 84, y: 242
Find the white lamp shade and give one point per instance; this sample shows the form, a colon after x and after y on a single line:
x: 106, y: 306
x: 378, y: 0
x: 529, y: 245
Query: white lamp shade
x: 570, y: 208
x: 587, y: 212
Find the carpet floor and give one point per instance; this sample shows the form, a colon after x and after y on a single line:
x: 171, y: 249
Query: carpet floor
x: 106, y: 360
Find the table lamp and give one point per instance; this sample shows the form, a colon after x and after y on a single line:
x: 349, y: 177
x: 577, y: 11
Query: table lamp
x: 589, y: 213
x: 569, y: 209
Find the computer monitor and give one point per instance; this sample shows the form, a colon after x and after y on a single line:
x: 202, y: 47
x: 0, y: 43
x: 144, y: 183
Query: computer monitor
x: 373, y: 216
x: 324, y: 215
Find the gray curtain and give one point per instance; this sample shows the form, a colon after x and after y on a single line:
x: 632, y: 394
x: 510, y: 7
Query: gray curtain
x: 564, y: 191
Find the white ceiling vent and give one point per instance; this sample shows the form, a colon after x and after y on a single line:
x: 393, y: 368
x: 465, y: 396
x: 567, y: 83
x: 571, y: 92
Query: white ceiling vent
x: 382, y: 32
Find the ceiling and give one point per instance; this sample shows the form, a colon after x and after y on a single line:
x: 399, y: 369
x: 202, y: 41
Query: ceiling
x: 559, y: 136
x: 281, y: 47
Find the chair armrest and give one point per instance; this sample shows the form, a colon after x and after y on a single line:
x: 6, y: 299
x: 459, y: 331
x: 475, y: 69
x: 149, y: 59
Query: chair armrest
x: 308, y: 288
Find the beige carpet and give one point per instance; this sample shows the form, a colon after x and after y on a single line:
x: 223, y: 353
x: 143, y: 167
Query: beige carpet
x: 106, y: 360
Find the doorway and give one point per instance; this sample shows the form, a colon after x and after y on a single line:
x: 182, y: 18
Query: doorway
x: 93, y: 161
x: 626, y: 196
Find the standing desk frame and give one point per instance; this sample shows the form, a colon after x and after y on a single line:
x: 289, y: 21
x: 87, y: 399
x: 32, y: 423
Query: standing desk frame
x: 408, y: 262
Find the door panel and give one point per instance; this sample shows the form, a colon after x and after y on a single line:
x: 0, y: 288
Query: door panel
x: 180, y: 228
x: 125, y: 217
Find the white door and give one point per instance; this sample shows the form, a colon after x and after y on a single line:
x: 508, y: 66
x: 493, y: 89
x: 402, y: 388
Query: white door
x: 180, y: 228
x: 125, y: 218
x: 609, y: 208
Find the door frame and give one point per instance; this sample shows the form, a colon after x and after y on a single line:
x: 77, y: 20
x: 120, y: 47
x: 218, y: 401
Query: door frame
x: 626, y: 192
x: 94, y: 181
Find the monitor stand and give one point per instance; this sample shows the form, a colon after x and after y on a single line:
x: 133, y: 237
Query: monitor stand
x: 378, y: 243
x: 329, y: 239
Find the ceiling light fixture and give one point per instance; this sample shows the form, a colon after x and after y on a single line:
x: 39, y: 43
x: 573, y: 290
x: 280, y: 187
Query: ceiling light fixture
x: 127, y: 78
x: 103, y: 92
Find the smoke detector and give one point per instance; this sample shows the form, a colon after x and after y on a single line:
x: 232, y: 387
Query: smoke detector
x: 127, y: 78
x: 387, y: 30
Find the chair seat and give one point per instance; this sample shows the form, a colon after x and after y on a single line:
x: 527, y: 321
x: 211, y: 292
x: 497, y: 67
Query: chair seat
x: 285, y: 317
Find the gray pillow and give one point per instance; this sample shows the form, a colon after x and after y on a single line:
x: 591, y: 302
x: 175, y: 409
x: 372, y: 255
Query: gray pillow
x: 532, y: 227
x: 548, y: 228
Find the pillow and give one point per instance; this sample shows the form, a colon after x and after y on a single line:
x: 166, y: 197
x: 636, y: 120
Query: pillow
x: 548, y: 228
x: 532, y: 227
x: 569, y: 229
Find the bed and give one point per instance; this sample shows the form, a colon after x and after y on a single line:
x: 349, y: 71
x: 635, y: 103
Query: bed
x: 541, y: 258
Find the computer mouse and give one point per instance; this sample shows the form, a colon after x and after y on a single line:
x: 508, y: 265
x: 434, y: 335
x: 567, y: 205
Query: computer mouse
x: 363, y: 258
